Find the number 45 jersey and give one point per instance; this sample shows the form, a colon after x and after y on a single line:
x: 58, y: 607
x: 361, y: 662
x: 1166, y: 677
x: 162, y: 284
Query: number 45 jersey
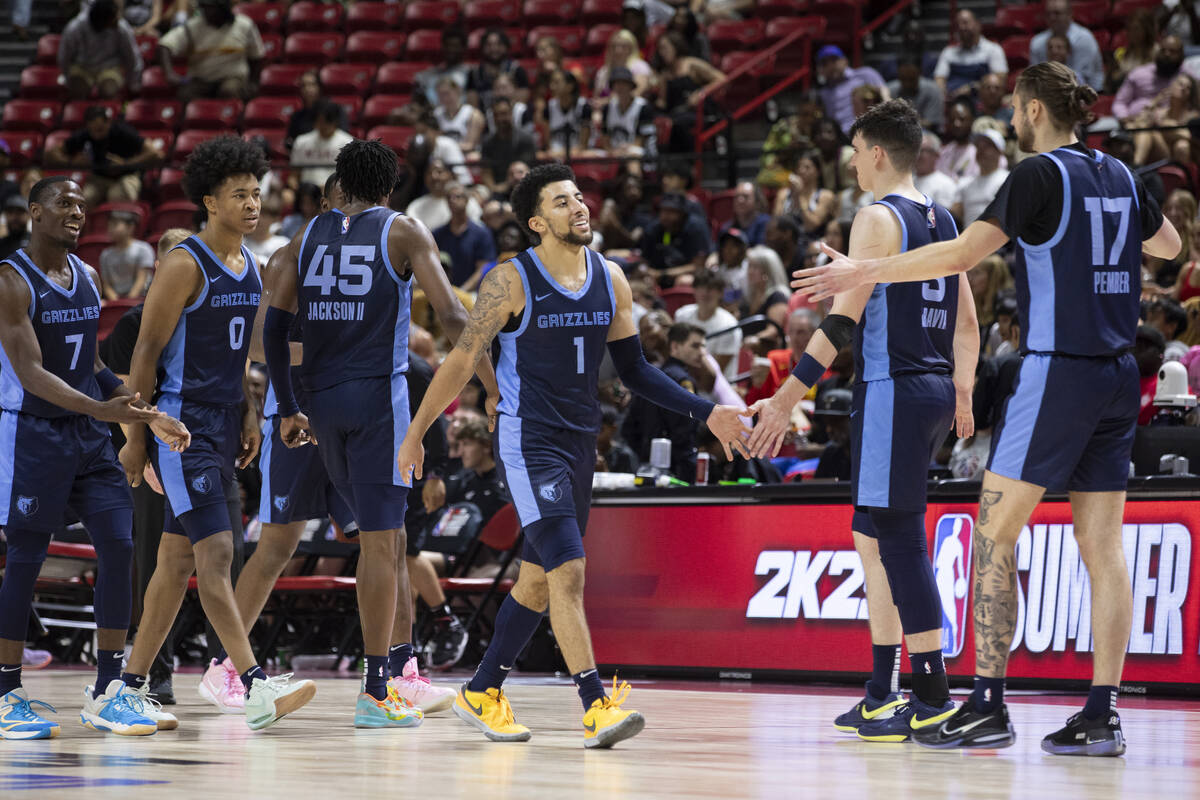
x: 353, y: 305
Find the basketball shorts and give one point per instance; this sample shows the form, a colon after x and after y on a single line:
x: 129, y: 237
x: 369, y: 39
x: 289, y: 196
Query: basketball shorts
x: 359, y: 425
x: 896, y: 428
x: 50, y: 465
x: 194, y: 481
x: 295, y: 485
x: 1069, y: 423
x: 548, y: 471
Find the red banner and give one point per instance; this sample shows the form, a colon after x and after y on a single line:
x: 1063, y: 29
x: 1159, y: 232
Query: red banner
x: 780, y: 587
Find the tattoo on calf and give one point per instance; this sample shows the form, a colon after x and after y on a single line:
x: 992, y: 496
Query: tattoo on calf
x: 995, y: 603
x: 988, y: 499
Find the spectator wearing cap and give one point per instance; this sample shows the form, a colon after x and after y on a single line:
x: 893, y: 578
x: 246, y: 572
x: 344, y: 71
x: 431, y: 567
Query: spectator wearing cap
x: 16, y: 221
x: 935, y: 184
x: 223, y: 49
x: 840, y: 80
x: 454, y: 49
x: 709, y: 288
x: 994, y: 102
x: 98, y: 52
x: 962, y: 65
x: 676, y: 243
x: 749, y: 213
x: 627, y: 121
x: 646, y: 421
x: 314, y: 153
x: 833, y: 409
x: 468, y: 244
x: 1085, y: 56
x: 1149, y: 347
x: 924, y: 94
x: 976, y: 192
x: 496, y: 60
x: 114, y: 152
x: 504, y: 147
x: 729, y: 261
x: 126, y: 265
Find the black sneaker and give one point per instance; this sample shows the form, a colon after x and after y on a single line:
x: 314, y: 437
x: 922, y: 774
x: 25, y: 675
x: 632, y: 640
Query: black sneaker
x: 970, y: 728
x: 1087, y: 737
x: 447, y: 644
x: 161, y: 690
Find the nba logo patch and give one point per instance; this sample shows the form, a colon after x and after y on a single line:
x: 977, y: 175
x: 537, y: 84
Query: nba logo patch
x: 550, y: 492
x: 27, y: 505
x: 931, y: 217
x: 200, y: 484
x: 952, y: 573
x: 345, y: 225
x: 281, y: 502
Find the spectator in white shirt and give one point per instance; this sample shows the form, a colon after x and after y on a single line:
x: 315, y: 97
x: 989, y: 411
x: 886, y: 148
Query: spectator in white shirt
x: 975, y: 193
x: 1085, y: 56
x: 706, y: 313
x: 935, y: 184
x: 434, y: 208
x: 315, y: 152
x: 961, y: 65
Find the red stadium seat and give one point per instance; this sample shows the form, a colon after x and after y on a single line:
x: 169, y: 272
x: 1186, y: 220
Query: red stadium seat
x: 1174, y: 177
x: 163, y: 141
x: 676, y: 298
x: 90, y: 246
x: 348, y: 78
x: 47, y: 49
x: 596, y: 42
x: 352, y: 104
x: 174, y: 214
x: 570, y: 37
x: 54, y: 140
x: 1103, y: 38
x: 97, y: 218
x: 30, y: 115
x: 25, y: 147
x: 842, y: 18
x: 170, y: 185
x: 729, y: 35
x: 770, y: 9
x: 1103, y: 105
x: 270, y: 112
x: 222, y: 115
x: 731, y: 61
x: 379, y: 108
x: 430, y: 15
x: 72, y: 116
x: 1016, y: 20
x: 397, y: 77
x: 41, y: 83
x: 516, y: 38
x: 425, y: 45
x: 307, y: 15
x: 548, y: 12
x: 394, y: 136
x: 779, y: 28
x: 158, y: 115
x: 272, y: 47
x: 313, y: 49
x: 155, y: 86
x: 367, y: 15
x: 480, y: 14
x: 267, y: 16
x: 281, y: 79
x: 378, y: 46
x: 601, y: 12
x: 1016, y: 50
x: 275, y: 138
x: 187, y: 141
x: 1091, y: 14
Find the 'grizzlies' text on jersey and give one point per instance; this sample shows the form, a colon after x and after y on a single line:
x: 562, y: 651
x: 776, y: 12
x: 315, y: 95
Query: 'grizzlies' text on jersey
x: 65, y: 322
x: 205, y: 360
x: 1079, y: 292
x: 908, y: 328
x: 550, y: 365
x: 353, y: 305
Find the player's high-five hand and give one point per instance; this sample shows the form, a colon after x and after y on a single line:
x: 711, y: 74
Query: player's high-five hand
x: 726, y: 424
x: 840, y: 275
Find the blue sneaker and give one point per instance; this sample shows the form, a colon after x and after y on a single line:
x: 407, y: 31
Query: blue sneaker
x: 912, y: 716
x: 117, y: 711
x: 17, y: 720
x: 391, y: 712
x: 868, y: 710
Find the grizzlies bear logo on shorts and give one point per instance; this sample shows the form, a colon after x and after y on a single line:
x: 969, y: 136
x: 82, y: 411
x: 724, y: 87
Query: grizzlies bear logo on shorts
x: 550, y: 492
x: 27, y: 505
x: 281, y: 502
x: 201, y: 484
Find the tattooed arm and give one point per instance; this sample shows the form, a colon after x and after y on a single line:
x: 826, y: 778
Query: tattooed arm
x: 501, y: 296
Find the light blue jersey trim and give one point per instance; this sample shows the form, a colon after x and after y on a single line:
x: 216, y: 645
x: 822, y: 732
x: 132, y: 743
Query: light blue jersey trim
x: 1039, y: 272
x: 203, y: 276
x: 68, y: 293
x: 876, y: 362
x: 8, y: 459
x: 170, y: 463
x: 903, y: 224
x: 1064, y: 218
x: 237, y: 276
x: 507, y: 375
x: 172, y: 358
x: 1020, y: 417
x: 516, y: 471
x: 875, y: 455
x: 587, y: 283
x: 602, y: 265
x: 383, y: 249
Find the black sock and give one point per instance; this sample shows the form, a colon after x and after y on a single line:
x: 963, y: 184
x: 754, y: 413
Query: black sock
x: 929, y: 682
x: 249, y: 675
x: 514, y: 627
x: 885, y: 670
x: 222, y: 655
x: 590, y: 687
x: 10, y: 677
x: 375, y: 676
x: 133, y: 681
x: 1100, y: 701
x: 398, y: 656
x: 988, y: 694
x: 108, y: 669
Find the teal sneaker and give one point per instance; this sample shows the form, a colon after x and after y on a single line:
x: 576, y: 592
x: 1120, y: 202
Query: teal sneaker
x: 391, y: 712
x: 18, y: 720
x: 273, y: 699
x: 117, y: 711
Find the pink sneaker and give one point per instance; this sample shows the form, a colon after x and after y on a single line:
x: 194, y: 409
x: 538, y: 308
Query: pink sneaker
x: 222, y: 686
x: 417, y: 690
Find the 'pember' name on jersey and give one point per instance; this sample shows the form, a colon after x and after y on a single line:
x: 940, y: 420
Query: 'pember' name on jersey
x: 573, y: 319
x: 1111, y: 282
x: 337, y: 310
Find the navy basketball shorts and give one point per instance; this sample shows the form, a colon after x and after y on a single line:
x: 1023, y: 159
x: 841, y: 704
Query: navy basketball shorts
x: 194, y: 481
x: 48, y: 465
x: 359, y: 425
x: 548, y: 471
x: 1069, y: 423
x: 295, y: 485
x: 896, y: 428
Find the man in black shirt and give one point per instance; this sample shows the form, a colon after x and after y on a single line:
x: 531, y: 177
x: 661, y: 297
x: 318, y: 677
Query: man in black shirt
x: 508, y: 144
x: 677, y: 242
x: 114, y: 151
x: 16, y: 219
x: 495, y: 62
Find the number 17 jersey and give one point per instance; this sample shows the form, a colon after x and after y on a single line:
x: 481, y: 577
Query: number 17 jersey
x: 353, y: 304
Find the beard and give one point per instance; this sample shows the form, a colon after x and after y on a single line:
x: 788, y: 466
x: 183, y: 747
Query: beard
x: 575, y: 239
x: 1025, y: 137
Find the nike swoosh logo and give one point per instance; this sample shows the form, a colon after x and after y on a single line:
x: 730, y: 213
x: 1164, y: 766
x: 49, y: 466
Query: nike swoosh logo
x: 539, y: 298
x: 42, y: 295
x: 969, y: 726
x: 478, y: 710
x: 868, y: 714
x: 589, y: 728
x: 9, y: 669
x: 586, y: 674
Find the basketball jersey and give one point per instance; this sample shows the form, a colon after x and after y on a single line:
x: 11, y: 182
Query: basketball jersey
x: 1079, y: 292
x: 550, y: 364
x: 623, y: 128
x: 353, y: 306
x: 456, y: 127
x: 908, y: 328
x: 205, y: 360
x: 65, y: 322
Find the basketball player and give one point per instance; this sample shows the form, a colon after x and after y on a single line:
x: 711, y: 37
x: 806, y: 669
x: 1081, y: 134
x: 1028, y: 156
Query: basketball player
x: 55, y: 391
x: 916, y: 346
x: 349, y: 273
x: 191, y: 355
x: 1081, y: 221
x: 555, y: 306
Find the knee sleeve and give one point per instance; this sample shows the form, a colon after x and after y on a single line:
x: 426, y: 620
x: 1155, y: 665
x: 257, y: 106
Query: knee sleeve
x: 112, y: 536
x: 26, y: 553
x: 905, y: 555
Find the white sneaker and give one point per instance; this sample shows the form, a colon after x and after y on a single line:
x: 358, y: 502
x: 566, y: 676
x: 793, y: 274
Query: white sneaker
x: 117, y: 711
x: 153, y: 709
x: 417, y: 690
x: 222, y: 686
x: 273, y: 699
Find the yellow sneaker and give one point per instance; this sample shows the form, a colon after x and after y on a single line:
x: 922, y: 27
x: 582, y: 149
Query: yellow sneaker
x: 606, y: 723
x: 490, y: 712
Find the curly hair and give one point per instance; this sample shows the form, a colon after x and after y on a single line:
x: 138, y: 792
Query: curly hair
x: 526, y: 198
x: 366, y: 170
x: 215, y: 160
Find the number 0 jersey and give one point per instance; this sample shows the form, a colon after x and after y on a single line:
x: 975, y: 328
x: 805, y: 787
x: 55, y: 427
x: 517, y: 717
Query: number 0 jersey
x: 353, y: 306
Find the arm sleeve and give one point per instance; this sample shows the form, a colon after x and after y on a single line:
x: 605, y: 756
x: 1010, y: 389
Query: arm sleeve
x: 637, y: 374
x: 279, y: 358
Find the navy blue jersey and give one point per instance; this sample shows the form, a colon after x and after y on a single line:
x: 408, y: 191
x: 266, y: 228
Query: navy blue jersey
x: 1078, y: 218
x: 65, y: 323
x: 908, y: 328
x: 353, y: 306
x: 205, y: 360
x: 550, y: 364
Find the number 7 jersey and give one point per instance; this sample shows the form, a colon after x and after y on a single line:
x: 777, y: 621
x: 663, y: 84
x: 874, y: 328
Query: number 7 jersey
x: 353, y: 305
